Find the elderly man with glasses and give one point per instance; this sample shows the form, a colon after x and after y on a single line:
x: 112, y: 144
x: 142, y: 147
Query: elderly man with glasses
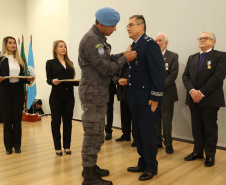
x: 203, y: 79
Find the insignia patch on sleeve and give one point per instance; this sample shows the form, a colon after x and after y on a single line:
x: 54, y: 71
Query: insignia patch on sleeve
x: 101, y: 50
x: 99, y: 45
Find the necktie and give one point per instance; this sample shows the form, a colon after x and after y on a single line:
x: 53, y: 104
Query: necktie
x: 201, y: 60
x: 203, y: 53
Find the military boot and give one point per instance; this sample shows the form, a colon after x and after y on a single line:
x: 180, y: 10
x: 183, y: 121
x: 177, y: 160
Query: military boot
x: 100, y: 172
x: 91, y: 177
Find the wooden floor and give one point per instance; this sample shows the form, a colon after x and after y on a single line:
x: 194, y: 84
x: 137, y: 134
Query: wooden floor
x: 38, y: 164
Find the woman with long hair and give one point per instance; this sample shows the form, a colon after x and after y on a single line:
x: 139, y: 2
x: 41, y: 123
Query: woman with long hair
x: 61, y: 98
x: 12, y: 94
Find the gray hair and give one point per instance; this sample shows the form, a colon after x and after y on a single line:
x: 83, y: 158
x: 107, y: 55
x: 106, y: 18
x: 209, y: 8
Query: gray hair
x: 212, y: 35
x: 165, y: 36
x: 139, y: 20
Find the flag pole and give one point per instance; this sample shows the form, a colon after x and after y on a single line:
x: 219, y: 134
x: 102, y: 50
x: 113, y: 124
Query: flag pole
x: 25, y: 85
x: 33, y: 105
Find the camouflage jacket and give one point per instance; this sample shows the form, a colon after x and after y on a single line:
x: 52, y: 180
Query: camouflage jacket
x: 97, y: 67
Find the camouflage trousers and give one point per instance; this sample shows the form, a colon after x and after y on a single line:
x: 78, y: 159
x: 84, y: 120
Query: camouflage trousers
x: 93, y: 120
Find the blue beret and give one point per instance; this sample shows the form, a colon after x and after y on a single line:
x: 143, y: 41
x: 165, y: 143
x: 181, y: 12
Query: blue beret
x: 107, y: 16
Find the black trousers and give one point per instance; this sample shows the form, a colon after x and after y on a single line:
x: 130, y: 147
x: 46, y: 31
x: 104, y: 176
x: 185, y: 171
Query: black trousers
x: 145, y: 136
x: 61, y: 107
x: 110, y: 109
x: 126, y: 119
x: 204, y: 129
x: 164, y: 123
x: 12, y: 114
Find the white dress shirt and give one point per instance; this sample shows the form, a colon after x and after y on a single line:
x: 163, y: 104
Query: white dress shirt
x: 14, y: 69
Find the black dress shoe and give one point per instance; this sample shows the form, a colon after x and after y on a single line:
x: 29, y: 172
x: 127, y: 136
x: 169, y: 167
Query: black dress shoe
x: 136, y: 169
x: 169, y: 149
x: 59, y: 153
x: 100, y: 172
x: 67, y: 152
x: 147, y: 175
x: 133, y: 144
x: 108, y: 136
x: 123, y: 138
x: 210, y: 161
x: 18, y: 151
x: 193, y: 156
x: 8, y: 152
x: 159, y: 145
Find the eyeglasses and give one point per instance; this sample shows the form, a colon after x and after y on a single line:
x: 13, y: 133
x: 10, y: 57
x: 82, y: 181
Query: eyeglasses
x: 204, y: 38
x: 130, y: 25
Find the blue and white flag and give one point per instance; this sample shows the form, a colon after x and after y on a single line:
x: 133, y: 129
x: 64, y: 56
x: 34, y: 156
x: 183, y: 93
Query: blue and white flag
x: 31, y: 90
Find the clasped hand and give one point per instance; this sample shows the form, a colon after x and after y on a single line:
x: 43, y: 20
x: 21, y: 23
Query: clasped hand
x: 196, y: 96
x: 122, y: 82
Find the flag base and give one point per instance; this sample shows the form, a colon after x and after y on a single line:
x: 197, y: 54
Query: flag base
x: 30, y: 117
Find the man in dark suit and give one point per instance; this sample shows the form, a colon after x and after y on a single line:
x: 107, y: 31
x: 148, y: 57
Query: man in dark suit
x: 146, y: 83
x: 110, y: 107
x: 121, y: 80
x: 203, y: 79
x: 165, y: 115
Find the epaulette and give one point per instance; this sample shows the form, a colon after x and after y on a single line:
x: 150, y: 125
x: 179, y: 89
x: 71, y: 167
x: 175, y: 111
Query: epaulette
x: 147, y: 38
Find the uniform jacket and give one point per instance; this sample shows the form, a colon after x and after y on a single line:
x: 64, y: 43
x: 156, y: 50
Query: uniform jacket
x: 209, y: 80
x: 171, y: 68
x: 147, y: 72
x: 54, y: 69
x: 5, y: 87
x: 97, y: 67
x: 122, y: 91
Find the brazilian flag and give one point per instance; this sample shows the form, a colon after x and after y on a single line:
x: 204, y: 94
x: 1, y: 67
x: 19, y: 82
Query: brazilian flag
x: 22, y: 54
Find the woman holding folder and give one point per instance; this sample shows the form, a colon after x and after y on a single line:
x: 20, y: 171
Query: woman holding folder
x: 12, y: 93
x: 61, y: 98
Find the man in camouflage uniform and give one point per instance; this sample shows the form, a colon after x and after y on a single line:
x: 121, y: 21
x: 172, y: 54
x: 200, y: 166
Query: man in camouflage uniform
x: 97, y: 68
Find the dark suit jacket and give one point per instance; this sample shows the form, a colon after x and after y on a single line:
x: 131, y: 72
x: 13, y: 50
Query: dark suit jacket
x: 208, y: 81
x: 147, y: 72
x: 171, y: 68
x: 5, y: 84
x: 4, y: 71
x: 54, y: 69
x: 122, y: 91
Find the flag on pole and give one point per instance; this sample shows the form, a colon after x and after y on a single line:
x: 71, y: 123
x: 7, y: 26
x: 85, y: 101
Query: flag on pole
x: 22, y: 54
x: 31, y: 89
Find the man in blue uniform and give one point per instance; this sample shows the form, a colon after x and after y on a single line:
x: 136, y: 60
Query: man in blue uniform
x: 146, y: 83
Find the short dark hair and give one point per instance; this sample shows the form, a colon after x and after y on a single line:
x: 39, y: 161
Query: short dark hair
x: 96, y: 22
x: 139, y: 20
x: 39, y: 102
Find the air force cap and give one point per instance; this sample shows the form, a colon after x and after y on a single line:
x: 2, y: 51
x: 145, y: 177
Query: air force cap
x: 107, y: 16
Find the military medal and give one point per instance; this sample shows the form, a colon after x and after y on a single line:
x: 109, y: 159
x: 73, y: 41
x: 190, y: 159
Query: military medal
x: 136, y: 62
x: 166, y: 64
x: 209, y: 65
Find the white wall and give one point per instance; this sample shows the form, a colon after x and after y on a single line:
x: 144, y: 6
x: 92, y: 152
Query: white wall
x: 12, y: 16
x: 182, y: 21
x: 46, y: 20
